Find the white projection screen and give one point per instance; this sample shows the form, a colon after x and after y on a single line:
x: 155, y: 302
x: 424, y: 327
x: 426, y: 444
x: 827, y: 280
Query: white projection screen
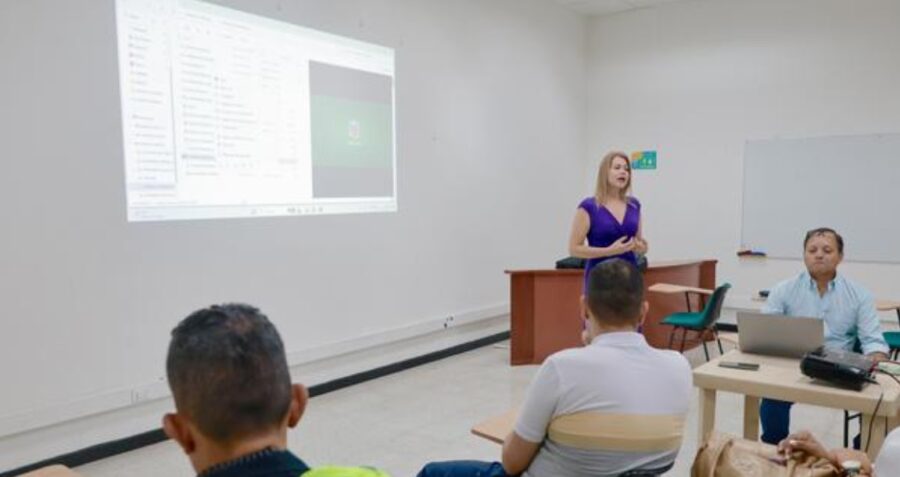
x: 228, y: 114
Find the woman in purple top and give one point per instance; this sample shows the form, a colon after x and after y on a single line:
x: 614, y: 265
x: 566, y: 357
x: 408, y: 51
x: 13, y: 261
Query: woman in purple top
x: 610, y: 221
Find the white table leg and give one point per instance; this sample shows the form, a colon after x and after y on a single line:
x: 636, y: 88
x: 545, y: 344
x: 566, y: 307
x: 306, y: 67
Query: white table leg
x: 751, y: 418
x: 878, y: 430
x: 707, y: 413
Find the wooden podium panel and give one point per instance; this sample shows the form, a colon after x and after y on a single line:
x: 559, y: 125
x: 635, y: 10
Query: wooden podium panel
x: 545, y: 314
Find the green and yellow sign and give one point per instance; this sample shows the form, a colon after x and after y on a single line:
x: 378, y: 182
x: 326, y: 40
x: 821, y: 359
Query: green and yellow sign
x: 643, y: 160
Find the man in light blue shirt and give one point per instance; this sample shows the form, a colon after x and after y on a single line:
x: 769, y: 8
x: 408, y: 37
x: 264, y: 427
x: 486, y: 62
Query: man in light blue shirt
x: 847, y: 309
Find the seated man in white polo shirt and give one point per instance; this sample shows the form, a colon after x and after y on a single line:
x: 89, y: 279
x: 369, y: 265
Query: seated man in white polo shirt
x: 612, y: 406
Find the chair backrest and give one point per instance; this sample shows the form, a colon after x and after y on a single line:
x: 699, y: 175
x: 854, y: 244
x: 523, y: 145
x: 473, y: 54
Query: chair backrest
x: 648, y: 472
x: 618, y: 432
x: 713, y: 308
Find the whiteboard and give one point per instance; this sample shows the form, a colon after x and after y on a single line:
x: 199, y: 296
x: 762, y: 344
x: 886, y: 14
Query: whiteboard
x: 848, y: 183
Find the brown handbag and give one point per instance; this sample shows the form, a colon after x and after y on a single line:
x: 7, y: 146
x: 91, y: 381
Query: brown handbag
x: 728, y: 456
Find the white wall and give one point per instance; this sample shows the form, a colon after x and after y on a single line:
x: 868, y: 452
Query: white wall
x: 491, y: 138
x: 695, y: 80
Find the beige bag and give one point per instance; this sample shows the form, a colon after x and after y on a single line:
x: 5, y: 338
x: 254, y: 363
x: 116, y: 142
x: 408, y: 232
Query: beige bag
x: 728, y: 456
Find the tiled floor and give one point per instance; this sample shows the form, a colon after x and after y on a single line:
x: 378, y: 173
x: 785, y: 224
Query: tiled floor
x: 399, y: 422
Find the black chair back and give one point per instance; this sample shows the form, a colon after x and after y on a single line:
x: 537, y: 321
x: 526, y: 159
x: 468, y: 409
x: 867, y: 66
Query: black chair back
x: 648, y: 472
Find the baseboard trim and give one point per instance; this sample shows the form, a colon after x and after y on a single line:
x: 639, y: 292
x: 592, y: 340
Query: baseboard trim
x: 120, y: 446
x: 388, y: 369
x: 96, y: 452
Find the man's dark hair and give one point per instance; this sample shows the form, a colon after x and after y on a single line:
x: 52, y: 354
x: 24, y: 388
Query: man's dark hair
x: 615, y: 292
x: 228, y: 372
x: 825, y: 231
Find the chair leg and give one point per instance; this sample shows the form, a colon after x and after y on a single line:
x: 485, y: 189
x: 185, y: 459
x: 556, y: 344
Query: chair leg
x: 683, y: 339
x: 721, y: 351
x: 672, y: 336
x: 895, y: 353
x: 705, y: 350
x: 846, y: 429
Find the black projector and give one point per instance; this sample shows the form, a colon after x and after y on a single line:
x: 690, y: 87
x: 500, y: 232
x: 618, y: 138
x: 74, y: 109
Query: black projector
x: 842, y: 368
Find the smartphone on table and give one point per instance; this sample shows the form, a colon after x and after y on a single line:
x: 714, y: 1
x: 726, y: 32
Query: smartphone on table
x: 739, y: 365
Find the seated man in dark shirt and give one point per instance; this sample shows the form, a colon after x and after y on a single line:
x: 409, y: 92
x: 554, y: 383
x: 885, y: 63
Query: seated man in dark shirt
x: 234, y: 399
x: 233, y: 395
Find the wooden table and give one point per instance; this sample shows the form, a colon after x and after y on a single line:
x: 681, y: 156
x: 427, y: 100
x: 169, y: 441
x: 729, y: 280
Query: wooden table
x: 888, y: 305
x: 780, y: 378
x: 496, y: 429
x: 545, y: 309
x: 671, y: 288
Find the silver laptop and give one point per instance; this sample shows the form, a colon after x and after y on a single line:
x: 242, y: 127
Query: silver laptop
x: 779, y: 335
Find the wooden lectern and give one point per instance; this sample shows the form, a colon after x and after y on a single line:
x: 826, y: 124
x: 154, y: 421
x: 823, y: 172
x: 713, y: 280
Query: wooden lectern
x: 545, y: 314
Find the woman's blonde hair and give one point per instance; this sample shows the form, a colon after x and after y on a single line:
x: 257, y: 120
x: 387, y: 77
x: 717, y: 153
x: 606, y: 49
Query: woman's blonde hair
x: 603, y: 192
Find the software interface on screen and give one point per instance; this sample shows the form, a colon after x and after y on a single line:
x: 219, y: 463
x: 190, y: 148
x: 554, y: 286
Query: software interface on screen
x: 227, y: 114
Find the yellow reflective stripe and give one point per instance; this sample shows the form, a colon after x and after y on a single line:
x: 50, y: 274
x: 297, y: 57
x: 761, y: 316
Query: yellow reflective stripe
x: 618, y: 432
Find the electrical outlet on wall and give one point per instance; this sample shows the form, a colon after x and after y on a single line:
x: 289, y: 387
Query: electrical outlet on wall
x: 149, y: 392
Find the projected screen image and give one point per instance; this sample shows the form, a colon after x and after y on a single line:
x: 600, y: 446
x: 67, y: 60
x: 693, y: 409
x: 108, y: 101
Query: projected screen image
x: 227, y: 114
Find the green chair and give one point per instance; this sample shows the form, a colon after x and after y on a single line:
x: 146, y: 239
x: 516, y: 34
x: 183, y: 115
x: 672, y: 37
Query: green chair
x: 893, y: 339
x: 703, y: 320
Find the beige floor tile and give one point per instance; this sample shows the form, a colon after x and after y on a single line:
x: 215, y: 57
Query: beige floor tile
x: 402, y: 421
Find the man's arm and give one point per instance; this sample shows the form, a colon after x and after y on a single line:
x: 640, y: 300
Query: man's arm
x: 523, y: 443
x: 518, y: 453
x: 776, y: 302
x: 868, y: 329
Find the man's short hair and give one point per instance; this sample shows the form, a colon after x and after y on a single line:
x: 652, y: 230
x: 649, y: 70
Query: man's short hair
x: 615, y: 292
x: 825, y: 231
x: 228, y: 372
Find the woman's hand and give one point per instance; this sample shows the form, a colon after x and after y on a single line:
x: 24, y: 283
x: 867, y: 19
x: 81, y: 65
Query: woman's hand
x: 622, y: 245
x: 640, y: 246
x: 806, y: 443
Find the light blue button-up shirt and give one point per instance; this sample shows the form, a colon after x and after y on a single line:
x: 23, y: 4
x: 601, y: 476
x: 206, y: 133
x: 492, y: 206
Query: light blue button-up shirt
x: 847, y: 309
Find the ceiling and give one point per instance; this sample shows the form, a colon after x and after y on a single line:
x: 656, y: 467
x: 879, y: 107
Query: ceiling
x: 607, y: 7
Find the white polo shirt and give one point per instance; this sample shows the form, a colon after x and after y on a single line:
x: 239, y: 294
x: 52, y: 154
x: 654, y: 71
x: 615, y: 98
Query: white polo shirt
x: 618, y: 373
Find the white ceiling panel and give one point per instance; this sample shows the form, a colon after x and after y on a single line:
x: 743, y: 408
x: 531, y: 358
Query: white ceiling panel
x: 607, y: 7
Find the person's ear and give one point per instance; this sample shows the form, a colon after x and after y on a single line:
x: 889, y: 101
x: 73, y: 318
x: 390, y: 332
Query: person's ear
x: 299, y: 398
x: 645, y: 307
x: 177, y: 429
x: 584, y: 307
